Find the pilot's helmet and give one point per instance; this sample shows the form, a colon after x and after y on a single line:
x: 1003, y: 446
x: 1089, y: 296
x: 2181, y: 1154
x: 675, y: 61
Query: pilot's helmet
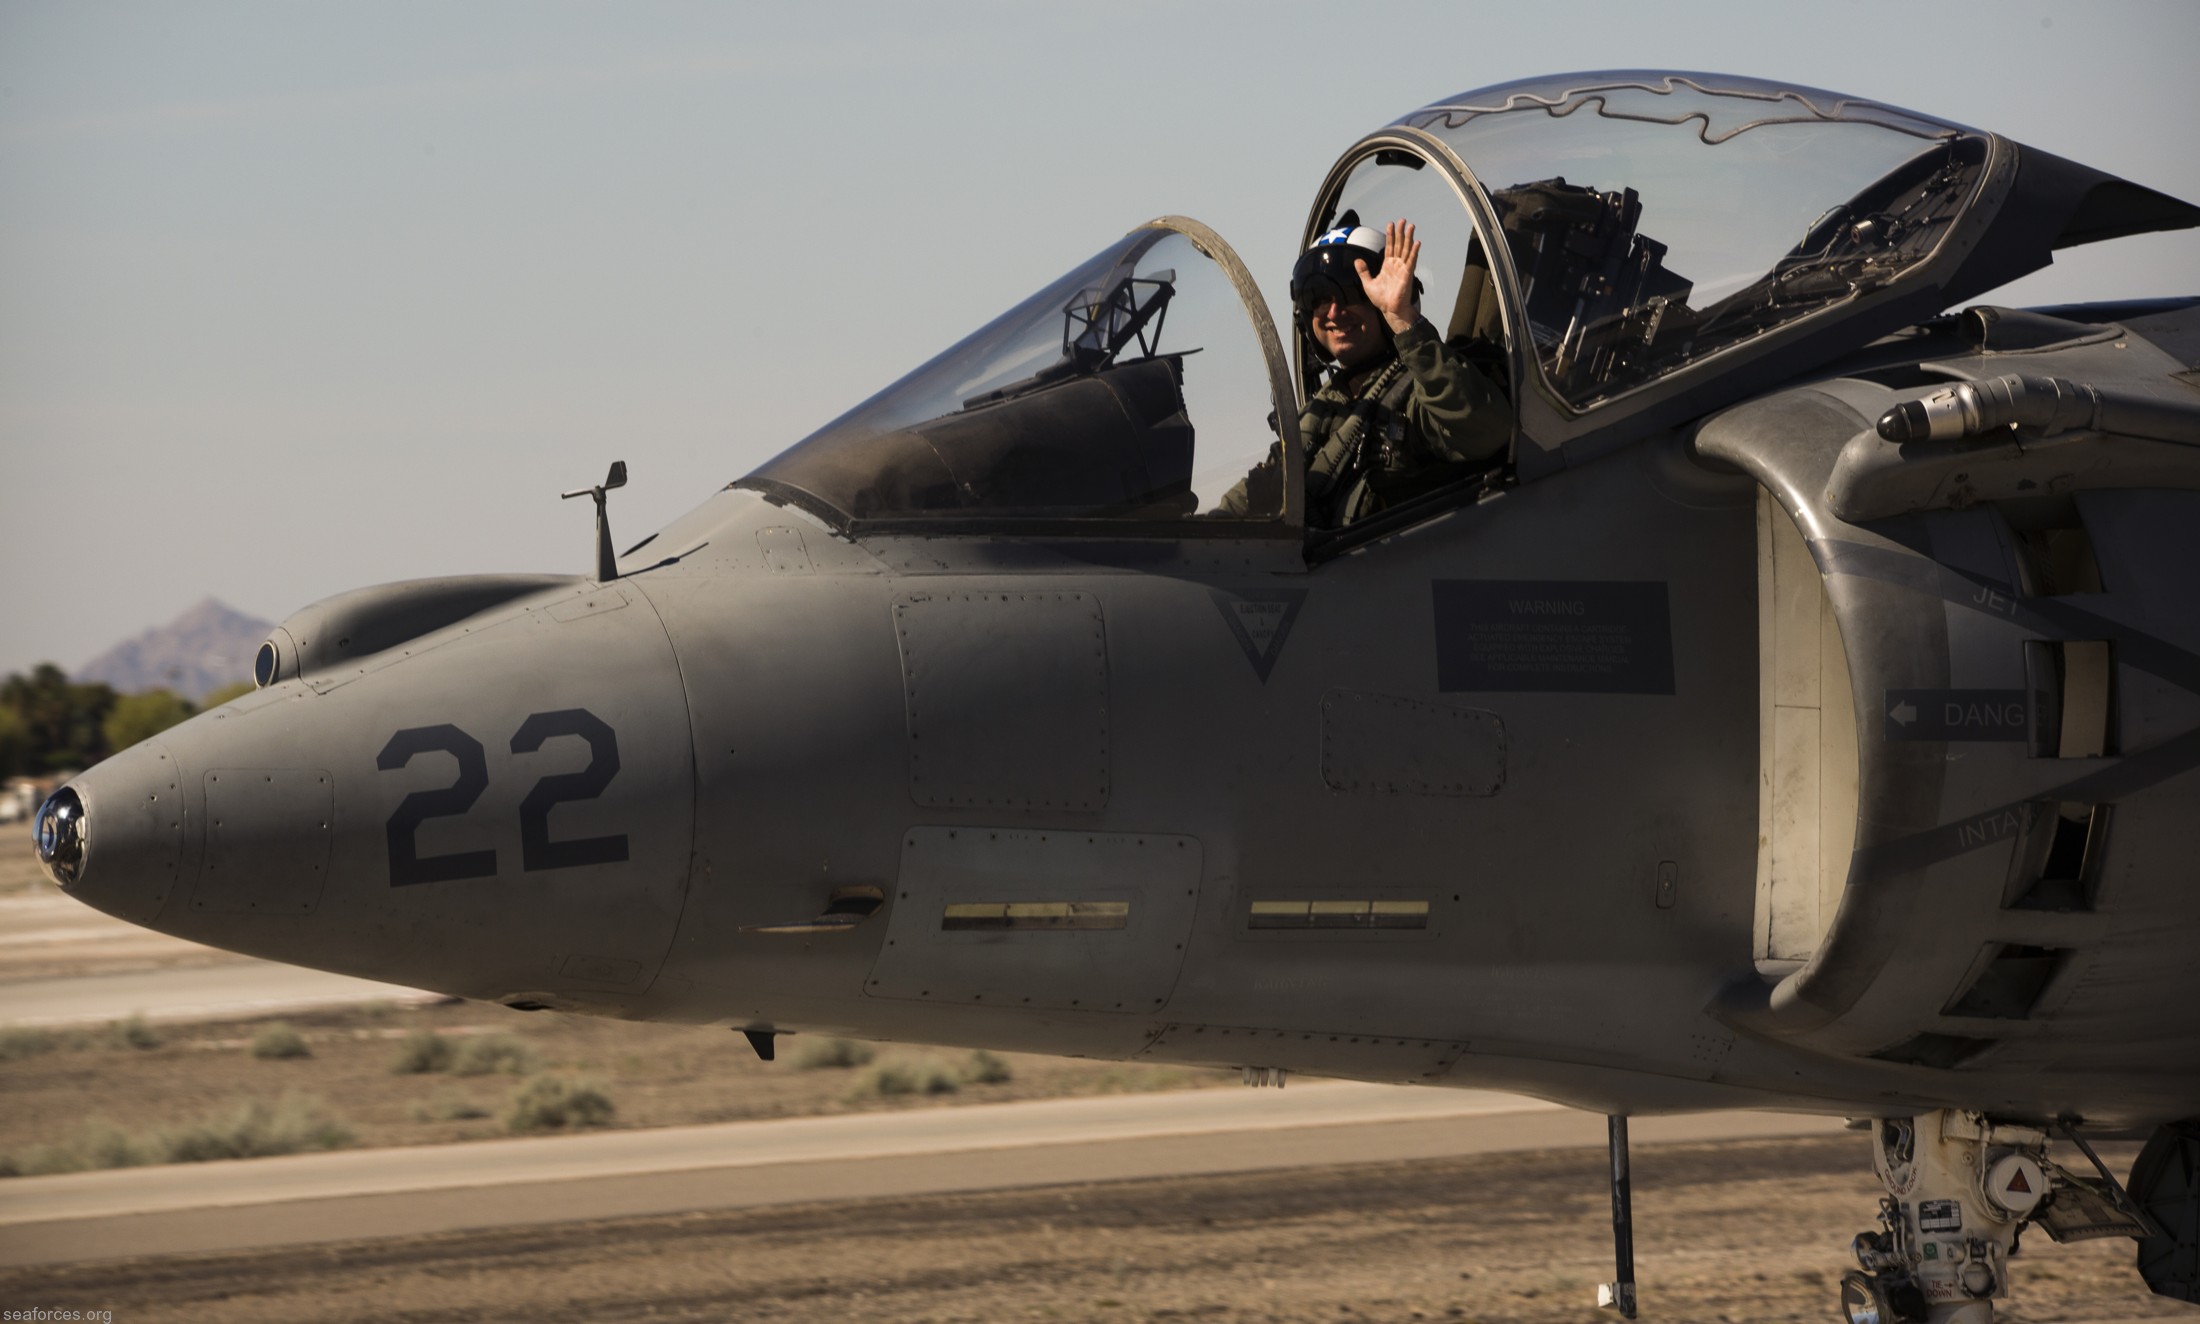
x: 1325, y: 270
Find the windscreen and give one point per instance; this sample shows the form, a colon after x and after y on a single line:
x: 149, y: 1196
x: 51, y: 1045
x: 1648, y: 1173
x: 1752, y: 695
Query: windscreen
x: 1133, y: 389
x: 1657, y: 220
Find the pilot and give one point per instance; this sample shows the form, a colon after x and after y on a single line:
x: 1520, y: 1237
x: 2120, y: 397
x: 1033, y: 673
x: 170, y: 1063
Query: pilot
x: 1401, y: 411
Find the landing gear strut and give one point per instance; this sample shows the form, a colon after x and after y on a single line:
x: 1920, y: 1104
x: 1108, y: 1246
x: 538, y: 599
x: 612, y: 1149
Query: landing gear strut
x: 1958, y: 1189
x: 1619, y: 1294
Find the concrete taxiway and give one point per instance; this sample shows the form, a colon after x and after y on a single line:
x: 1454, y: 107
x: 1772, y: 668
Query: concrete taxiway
x: 196, y: 993
x: 62, y: 963
x: 305, y: 1199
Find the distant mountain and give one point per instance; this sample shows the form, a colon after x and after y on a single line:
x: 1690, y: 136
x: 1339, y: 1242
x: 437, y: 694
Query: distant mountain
x: 207, y: 647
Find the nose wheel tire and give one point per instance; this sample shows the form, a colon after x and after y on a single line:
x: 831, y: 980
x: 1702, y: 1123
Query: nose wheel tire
x: 2166, y: 1183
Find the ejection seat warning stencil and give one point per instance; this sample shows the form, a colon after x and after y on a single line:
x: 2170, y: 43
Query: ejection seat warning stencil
x: 1957, y: 715
x: 1557, y: 636
x: 1261, y: 620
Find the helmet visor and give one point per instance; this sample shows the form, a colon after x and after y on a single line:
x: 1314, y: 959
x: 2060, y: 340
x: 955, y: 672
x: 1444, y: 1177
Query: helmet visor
x: 1326, y: 273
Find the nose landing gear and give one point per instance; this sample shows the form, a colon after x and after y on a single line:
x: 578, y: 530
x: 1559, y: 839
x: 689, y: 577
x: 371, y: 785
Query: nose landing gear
x: 1958, y: 1190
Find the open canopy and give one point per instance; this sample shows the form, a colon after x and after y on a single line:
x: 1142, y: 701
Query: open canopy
x: 1676, y: 241
x: 1655, y: 222
x: 1623, y: 251
x: 1135, y: 391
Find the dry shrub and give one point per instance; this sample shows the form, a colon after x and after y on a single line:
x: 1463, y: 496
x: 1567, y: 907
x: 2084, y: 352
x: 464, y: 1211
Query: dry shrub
x: 256, y: 1129
x: 19, y: 1042
x: 823, y: 1054
x: 251, y: 1128
x: 278, y: 1042
x: 448, y: 1104
x: 132, y: 1033
x: 896, y: 1076
x: 507, y: 1053
x: 983, y: 1068
x: 552, y: 1103
x: 422, y: 1052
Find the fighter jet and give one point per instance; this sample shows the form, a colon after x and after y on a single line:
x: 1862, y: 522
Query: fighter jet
x: 1801, y: 712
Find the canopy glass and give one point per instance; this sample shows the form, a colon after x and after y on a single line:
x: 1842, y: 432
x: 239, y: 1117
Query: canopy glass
x: 1136, y: 389
x: 1655, y: 219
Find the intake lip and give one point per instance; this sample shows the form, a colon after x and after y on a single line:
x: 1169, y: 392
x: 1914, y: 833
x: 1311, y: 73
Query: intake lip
x: 61, y: 836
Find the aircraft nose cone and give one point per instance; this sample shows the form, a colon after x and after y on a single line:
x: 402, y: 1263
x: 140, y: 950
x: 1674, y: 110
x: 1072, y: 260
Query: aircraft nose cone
x: 113, y: 838
x: 60, y: 835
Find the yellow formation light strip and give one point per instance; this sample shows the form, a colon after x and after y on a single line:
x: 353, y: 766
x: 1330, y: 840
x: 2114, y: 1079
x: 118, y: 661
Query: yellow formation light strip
x: 1037, y: 915
x: 1338, y: 915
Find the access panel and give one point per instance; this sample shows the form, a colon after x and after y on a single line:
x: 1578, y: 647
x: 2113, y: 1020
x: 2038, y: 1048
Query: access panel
x: 1091, y: 921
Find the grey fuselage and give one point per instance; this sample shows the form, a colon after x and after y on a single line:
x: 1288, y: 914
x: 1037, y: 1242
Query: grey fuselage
x: 1481, y: 802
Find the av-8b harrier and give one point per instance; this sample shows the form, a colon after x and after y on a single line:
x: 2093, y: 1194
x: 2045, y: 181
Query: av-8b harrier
x: 1802, y: 713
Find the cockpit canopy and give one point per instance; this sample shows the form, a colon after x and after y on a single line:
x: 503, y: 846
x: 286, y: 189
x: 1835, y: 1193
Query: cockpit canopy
x: 1137, y: 389
x: 1653, y: 221
x: 1677, y: 241
x: 1619, y: 251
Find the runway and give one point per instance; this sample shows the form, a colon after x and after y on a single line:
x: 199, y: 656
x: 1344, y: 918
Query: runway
x: 188, y: 993
x: 63, y: 963
x: 308, y: 1199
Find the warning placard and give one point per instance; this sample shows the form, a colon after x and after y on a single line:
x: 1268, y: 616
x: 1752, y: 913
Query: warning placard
x: 1598, y: 637
x: 1957, y: 715
x: 1939, y: 1216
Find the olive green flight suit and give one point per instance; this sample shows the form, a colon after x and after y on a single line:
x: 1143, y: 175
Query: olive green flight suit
x: 1424, y: 416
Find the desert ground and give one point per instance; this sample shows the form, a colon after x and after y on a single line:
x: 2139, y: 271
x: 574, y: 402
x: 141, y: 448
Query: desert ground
x: 1746, y: 1231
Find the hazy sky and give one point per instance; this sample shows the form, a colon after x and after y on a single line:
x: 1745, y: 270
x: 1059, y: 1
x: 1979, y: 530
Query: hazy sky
x: 296, y: 298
